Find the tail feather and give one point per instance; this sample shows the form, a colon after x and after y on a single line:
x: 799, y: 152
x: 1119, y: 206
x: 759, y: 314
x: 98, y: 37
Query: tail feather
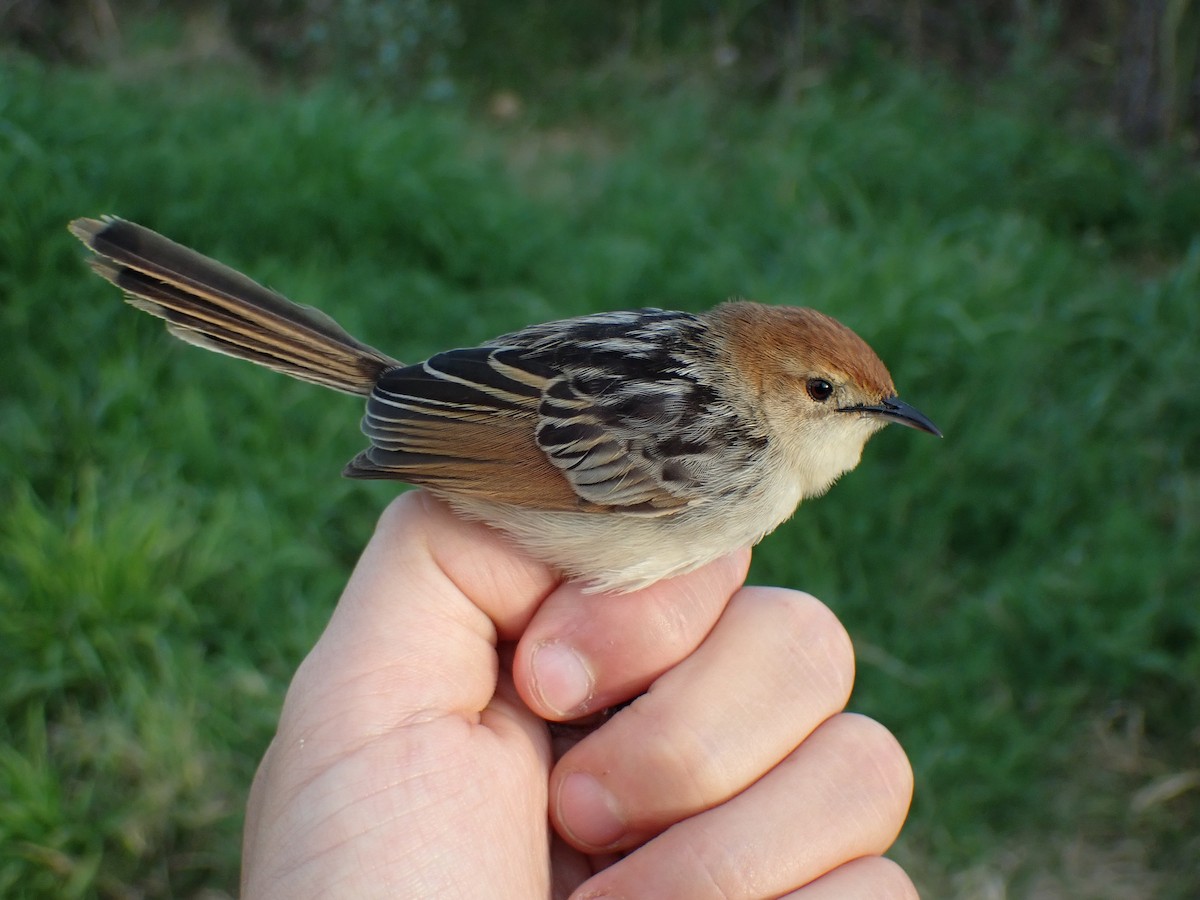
x: 213, y: 306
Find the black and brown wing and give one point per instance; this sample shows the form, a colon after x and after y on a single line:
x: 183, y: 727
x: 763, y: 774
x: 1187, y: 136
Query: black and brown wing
x: 462, y: 423
x: 562, y: 423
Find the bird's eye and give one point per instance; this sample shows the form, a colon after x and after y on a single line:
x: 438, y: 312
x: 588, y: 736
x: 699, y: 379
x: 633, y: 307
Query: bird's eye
x: 819, y: 389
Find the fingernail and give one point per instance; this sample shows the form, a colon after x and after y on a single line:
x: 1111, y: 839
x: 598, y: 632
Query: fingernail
x: 588, y: 812
x: 562, y: 681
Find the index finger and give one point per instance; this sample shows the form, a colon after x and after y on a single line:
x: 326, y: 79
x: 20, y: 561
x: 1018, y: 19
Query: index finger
x: 585, y: 652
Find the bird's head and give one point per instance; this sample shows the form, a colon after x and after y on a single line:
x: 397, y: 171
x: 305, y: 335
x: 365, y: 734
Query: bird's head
x: 820, y: 389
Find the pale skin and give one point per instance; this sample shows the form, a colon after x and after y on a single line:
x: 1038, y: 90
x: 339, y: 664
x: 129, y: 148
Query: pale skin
x: 413, y: 759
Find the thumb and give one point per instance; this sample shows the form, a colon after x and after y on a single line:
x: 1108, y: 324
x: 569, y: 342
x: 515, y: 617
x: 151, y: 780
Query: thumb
x: 417, y: 627
x: 373, y: 723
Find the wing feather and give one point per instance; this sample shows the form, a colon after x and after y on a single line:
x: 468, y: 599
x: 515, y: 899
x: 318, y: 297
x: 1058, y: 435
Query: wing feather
x: 599, y: 413
x: 457, y: 423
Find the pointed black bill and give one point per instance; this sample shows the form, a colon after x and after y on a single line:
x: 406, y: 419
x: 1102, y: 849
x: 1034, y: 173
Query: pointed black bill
x: 896, y: 410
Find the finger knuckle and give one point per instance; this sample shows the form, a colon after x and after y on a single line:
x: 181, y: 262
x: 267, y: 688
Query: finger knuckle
x: 876, y: 760
x: 397, y: 515
x: 815, y: 639
x: 890, y: 881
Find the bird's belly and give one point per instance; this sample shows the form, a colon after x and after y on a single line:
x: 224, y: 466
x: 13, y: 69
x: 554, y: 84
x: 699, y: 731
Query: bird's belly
x: 614, y: 551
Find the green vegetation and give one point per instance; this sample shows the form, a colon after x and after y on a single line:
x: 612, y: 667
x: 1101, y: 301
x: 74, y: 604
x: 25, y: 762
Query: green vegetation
x: 1023, y: 595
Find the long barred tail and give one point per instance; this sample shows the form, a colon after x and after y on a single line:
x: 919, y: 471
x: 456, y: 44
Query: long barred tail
x: 211, y: 305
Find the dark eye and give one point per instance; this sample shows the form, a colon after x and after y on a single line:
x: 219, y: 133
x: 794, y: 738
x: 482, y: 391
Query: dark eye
x: 819, y: 389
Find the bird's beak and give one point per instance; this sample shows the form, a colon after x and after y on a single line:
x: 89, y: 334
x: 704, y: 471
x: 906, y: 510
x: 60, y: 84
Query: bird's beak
x: 896, y: 410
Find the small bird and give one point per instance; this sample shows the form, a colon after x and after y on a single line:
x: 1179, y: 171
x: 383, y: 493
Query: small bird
x: 619, y: 447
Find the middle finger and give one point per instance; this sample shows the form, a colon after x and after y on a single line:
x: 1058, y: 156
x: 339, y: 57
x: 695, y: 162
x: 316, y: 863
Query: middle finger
x: 777, y: 664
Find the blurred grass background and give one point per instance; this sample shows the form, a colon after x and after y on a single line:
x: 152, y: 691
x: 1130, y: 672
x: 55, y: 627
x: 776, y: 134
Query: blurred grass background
x: 1002, y: 199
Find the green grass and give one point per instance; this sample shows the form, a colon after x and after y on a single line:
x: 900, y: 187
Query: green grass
x: 1023, y: 595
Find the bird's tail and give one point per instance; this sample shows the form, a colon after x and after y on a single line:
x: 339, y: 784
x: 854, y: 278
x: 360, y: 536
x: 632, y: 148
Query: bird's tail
x: 211, y: 305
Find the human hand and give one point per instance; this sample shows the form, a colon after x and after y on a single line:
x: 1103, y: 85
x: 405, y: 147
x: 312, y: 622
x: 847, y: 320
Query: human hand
x: 412, y: 757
